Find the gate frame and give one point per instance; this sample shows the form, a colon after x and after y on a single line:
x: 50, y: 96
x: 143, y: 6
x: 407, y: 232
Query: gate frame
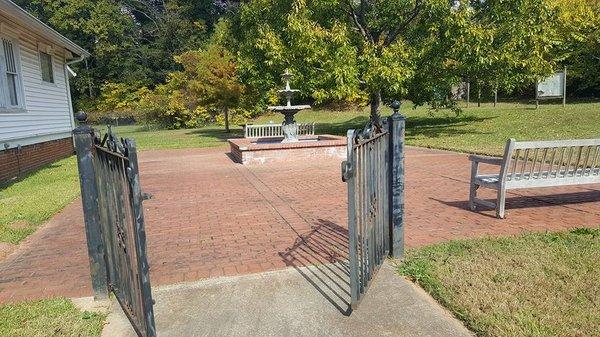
x: 85, y: 140
x: 395, y: 127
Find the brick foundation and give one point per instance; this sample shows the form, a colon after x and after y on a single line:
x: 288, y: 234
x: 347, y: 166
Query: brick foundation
x: 15, y: 163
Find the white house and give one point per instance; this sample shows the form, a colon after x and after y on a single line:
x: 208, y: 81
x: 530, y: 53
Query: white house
x: 36, y: 114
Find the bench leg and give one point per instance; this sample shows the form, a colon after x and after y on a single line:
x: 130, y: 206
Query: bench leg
x: 500, y: 203
x: 473, y: 187
x: 472, y: 196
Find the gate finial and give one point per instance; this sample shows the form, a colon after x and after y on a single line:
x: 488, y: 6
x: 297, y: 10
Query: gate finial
x: 396, y: 107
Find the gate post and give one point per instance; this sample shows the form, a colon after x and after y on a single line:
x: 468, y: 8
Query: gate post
x: 83, y: 136
x: 396, y: 124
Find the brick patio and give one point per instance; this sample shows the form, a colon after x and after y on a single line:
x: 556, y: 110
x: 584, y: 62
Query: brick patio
x: 211, y: 217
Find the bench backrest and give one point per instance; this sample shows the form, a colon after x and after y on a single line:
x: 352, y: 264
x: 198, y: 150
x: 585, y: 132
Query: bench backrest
x: 275, y: 130
x: 551, y: 159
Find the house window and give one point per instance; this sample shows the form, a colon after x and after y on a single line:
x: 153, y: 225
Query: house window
x: 11, y: 83
x: 47, y: 72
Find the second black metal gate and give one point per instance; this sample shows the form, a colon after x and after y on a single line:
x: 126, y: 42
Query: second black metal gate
x: 114, y: 220
x: 122, y: 221
x: 374, y: 172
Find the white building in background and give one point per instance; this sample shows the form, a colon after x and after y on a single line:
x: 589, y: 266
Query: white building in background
x: 36, y: 112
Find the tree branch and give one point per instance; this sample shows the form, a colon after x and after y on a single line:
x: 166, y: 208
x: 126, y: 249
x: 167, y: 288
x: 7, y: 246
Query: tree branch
x: 393, y: 35
x: 358, y: 19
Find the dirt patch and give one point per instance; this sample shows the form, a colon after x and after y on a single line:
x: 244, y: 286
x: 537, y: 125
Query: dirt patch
x: 21, y: 224
x: 6, y: 249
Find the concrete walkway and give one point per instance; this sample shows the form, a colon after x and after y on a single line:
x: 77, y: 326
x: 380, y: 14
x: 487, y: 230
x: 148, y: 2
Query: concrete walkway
x: 309, y: 301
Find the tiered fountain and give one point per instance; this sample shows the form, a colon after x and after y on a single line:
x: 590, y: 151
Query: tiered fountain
x: 289, y: 126
x: 290, y: 146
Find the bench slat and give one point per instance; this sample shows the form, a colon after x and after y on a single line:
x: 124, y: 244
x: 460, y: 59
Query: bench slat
x: 557, y: 143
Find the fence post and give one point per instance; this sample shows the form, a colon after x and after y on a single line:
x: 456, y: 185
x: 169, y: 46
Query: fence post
x: 396, y: 128
x: 83, y: 136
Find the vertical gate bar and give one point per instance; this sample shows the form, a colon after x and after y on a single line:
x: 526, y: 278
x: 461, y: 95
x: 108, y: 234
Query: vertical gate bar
x: 352, y: 242
x: 380, y: 192
x: 140, y: 237
x: 397, y: 124
x: 363, y: 248
x: 371, y: 213
x: 358, y: 212
x: 369, y: 205
x: 382, y: 200
x: 377, y: 198
x: 84, y: 144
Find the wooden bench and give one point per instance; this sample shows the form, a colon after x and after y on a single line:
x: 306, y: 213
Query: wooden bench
x: 536, y: 164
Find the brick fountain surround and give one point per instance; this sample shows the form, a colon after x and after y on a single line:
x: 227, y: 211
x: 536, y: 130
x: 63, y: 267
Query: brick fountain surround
x: 262, y: 150
x: 290, y: 146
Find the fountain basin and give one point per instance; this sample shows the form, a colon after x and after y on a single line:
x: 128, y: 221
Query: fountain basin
x: 265, y: 150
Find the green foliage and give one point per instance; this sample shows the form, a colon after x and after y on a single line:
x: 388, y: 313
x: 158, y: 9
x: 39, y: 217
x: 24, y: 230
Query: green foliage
x: 506, y: 44
x: 118, y: 100
x: 206, y: 91
x: 402, y: 48
x: 304, y: 37
x: 209, y: 82
x: 131, y: 41
x: 578, y: 23
x: 341, y: 51
x: 167, y: 106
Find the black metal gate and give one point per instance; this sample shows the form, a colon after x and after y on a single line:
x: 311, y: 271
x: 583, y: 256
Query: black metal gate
x: 374, y: 174
x: 116, y: 204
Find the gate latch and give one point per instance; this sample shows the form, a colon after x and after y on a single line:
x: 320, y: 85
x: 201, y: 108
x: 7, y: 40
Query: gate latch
x: 346, y: 171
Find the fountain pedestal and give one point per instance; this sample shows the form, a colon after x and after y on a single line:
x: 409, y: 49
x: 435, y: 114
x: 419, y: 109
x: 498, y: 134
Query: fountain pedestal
x: 289, y: 125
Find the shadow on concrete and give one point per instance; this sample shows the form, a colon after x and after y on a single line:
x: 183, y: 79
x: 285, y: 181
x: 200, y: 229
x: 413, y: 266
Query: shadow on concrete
x: 531, y: 201
x: 321, y: 257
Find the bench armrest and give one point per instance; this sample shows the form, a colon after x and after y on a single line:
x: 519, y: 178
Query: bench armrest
x: 486, y: 160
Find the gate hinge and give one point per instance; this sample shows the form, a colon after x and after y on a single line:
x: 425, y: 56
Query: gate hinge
x: 346, y: 171
x: 147, y: 196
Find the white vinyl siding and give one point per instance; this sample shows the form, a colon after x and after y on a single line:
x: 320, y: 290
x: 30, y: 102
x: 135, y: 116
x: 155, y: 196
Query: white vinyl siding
x: 46, y: 114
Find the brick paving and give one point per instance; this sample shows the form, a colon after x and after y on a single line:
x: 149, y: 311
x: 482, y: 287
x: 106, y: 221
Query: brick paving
x: 211, y: 217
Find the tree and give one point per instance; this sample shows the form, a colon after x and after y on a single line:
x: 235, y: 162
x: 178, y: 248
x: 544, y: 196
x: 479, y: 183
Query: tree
x: 132, y: 42
x: 505, y: 44
x: 578, y: 23
x: 211, y: 80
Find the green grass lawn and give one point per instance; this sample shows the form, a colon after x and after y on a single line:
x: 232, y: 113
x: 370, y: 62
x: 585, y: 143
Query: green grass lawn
x: 29, y: 202
x: 533, y: 285
x: 55, y: 317
x: 157, y: 139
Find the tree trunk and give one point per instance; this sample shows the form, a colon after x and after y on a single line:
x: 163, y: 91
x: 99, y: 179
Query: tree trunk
x: 375, y: 105
x: 226, y: 112
x: 495, y: 97
x: 478, y: 96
